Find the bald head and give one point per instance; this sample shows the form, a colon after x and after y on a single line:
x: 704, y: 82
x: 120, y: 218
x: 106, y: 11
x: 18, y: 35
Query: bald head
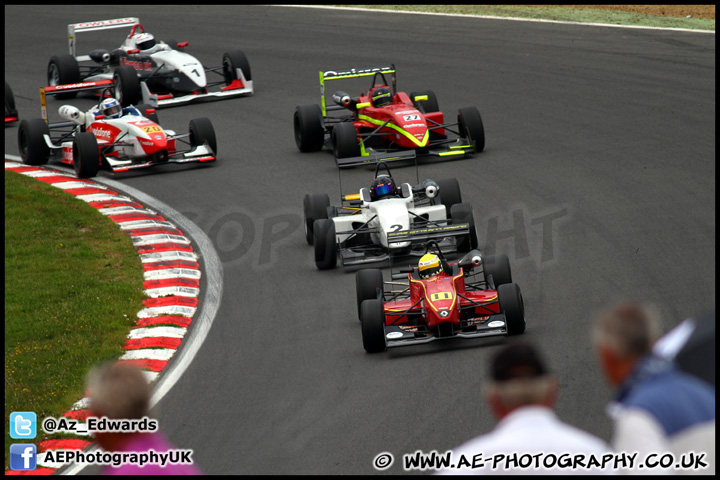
x: 119, y: 391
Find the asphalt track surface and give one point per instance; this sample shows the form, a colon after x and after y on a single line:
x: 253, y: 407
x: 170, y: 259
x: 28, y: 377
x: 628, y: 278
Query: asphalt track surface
x: 598, y: 181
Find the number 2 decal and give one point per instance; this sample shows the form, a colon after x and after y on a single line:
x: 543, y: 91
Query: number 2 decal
x: 395, y: 228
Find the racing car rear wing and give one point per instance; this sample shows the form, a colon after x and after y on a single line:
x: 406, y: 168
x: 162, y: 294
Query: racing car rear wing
x: 352, y: 73
x: 75, y: 28
x: 72, y: 87
x: 428, y: 233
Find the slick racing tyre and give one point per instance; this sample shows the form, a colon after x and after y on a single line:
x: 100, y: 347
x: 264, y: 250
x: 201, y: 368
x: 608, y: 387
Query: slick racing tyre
x: 143, y: 108
x: 344, y: 140
x: 231, y: 61
x: 428, y: 106
x: 471, y: 127
x: 497, y: 267
x: 32, y: 146
x: 201, y: 132
x: 62, y: 70
x: 368, y: 286
x: 462, y: 213
x: 448, y: 193
x: 86, y: 155
x: 314, y: 208
x: 127, y: 86
x: 326, y: 248
x: 372, y: 320
x: 511, y: 304
x: 309, y: 130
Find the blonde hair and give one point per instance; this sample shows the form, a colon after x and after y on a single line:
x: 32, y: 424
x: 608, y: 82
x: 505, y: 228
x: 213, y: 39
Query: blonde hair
x: 118, y: 391
x: 629, y: 329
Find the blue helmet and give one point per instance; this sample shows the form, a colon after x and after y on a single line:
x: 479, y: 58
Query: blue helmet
x: 111, y: 108
x: 382, y: 185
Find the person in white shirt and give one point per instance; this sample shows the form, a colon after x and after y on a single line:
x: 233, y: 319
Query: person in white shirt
x: 529, y: 437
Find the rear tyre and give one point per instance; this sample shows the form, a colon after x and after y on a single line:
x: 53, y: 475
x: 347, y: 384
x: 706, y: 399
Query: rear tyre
x: 428, y: 106
x: 326, y: 248
x: 449, y: 193
x: 344, y: 140
x: 232, y: 61
x: 309, y: 131
x: 511, y: 304
x: 202, y: 131
x: 462, y: 213
x: 32, y: 146
x: 127, y: 86
x: 368, y: 284
x: 86, y: 155
x: 314, y: 208
x: 372, y: 320
x: 499, y: 267
x: 62, y: 70
x: 471, y: 127
x: 143, y: 108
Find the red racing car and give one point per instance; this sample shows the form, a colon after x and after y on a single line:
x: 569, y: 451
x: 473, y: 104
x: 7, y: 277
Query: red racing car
x: 472, y: 298
x: 383, y: 124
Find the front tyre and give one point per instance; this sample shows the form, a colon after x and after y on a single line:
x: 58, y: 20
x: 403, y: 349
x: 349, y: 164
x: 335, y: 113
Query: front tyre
x: 326, y: 248
x: 127, y: 86
x: 314, y: 208
x: 231, y: 61
x: 471, y: 127
x: 86, y: 155
x: 62, y: 70
x: 511, y: 304
x: 344, y: 140
x: 31, y: 143
x: 309, y: 130
x: 202, y: 132
x: 372, y: 320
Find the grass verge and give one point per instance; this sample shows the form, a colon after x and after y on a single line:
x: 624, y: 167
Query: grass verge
x: 73, y: 287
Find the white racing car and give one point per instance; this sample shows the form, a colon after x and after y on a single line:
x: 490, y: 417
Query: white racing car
x: 386, y: 220
x: 111, y: 137
x: 146, y: 71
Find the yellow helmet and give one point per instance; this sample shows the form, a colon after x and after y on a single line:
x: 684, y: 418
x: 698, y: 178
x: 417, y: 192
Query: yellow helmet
x: 429, y: 265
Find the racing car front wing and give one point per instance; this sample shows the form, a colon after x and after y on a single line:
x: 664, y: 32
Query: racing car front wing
x: 402, y: 335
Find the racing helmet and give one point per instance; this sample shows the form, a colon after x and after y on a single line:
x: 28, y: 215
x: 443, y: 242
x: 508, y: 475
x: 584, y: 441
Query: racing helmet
x: 429, y: 265
x: 381, y: 96
x: 144, y: 41
x: 111, y: 108
x: 382, y: 186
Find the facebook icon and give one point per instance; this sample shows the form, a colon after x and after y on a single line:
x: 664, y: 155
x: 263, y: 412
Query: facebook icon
x: 23, y: 456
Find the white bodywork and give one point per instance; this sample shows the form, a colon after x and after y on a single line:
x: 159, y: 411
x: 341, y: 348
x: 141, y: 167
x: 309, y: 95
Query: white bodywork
x: 391, y: 215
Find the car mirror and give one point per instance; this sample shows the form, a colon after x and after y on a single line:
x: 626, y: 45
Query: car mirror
x: 421, y: 98
x: 363, y: 105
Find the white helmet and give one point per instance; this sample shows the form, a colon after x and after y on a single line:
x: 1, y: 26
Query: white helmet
x: 111, y: 108
x: 144, y: 41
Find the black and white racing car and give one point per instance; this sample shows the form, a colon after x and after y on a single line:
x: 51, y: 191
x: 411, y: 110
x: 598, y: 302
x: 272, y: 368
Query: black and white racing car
x: 148, y: 71
x: 388, y: 220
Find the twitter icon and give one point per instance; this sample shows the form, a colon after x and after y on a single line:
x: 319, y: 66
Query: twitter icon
x: 23, y: 425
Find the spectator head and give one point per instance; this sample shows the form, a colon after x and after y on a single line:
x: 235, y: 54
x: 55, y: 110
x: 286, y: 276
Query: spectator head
x: 519, y: 377
x: 623, y: 334
x: 119, y: 391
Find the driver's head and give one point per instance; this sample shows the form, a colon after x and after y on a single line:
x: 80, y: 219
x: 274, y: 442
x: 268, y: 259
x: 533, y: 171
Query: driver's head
x: 382, y: 186
x: 429, y: 265
x: 144, y: 41
x: 381, y: 96
x: 111, y: 108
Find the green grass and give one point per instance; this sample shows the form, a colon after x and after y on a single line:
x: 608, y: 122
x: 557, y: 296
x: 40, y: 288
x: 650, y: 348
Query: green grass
x: 73, y: 287
x: 588, y: 15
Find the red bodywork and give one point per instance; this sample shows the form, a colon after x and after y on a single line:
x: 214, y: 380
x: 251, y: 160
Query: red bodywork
x: 408, y: 127
x: 440, y: 294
